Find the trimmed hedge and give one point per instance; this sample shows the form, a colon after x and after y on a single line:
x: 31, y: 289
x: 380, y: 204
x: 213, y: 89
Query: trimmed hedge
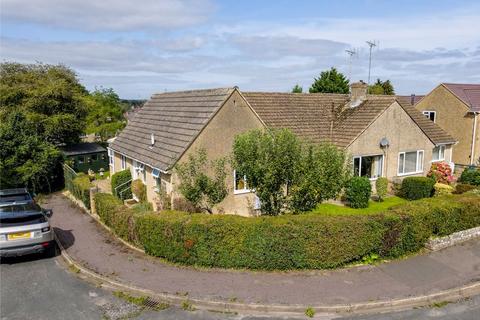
x: 116, y: 216
x: 358, y: 192
x: 290, y: 241
x: 119, y: 179
x: 462, y: 188
x: 414, y: 188
x: 470, y: 176
x: 80, y: 188
x: 381, y: 187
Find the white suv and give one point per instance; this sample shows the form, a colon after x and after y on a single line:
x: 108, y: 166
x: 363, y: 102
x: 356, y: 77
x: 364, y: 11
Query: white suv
x: 25, y: 229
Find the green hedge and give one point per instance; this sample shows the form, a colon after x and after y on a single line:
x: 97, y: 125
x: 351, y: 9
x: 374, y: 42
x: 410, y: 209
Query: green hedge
x: 291, y: 241
x: 414, y: 188
x: 120, y: 179
x: 358, y: 192
x: 80, y: 188
x: 117, y: 216
x: 470, y: 176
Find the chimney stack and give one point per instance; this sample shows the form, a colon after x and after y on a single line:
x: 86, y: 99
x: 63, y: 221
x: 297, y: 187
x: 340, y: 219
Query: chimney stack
x: 358, y: 93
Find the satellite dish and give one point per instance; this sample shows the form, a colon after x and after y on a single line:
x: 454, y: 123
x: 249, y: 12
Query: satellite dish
x: 384, y: 143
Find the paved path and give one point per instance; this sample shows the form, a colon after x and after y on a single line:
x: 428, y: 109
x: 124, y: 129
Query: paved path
x: 97, y: 250
x: 42, y: 289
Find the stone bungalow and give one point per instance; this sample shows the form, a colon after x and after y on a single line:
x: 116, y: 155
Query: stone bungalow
x: 383, y: 137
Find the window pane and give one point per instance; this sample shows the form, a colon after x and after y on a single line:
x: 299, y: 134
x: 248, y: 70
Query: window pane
x: 240, y: 181
x: 420, y: 161
x: 436, y: 153
x: 401, y: 160
x: 378, y: 166
x: 356, y: 166
x: 366, y: 167
x: 442, y: 152
x: 410, y: 162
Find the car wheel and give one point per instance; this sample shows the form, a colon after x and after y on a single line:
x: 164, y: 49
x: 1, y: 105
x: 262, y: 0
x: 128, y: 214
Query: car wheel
x: 51, y: 250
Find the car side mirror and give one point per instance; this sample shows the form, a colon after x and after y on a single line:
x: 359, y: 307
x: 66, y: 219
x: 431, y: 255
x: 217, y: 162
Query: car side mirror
x: 48, y: 212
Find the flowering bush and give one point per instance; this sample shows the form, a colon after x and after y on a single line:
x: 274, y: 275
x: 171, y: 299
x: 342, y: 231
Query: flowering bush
x: 441, y: 172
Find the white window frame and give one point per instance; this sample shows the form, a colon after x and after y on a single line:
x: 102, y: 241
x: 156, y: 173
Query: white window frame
x: 427, y: 114
x: 111, y: 158
x: 123, y: 160
x: 139, y: 170
x: 440, y: 152
x: 360, y: 164
x: 418, y: 166
x: 239, y: 191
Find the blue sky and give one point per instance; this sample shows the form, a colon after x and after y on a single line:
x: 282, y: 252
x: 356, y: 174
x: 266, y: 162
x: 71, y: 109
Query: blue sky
x: 146, y: 46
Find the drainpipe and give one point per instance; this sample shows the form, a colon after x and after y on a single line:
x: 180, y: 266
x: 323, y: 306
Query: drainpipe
x: 472, y: 153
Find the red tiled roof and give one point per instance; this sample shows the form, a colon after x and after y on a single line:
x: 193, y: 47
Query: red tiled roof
x: 468, y: 93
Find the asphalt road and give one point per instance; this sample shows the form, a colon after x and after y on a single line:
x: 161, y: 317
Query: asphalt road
x: 40, y: 288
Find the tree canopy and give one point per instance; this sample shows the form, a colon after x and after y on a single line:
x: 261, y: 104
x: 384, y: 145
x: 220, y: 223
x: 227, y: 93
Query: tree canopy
x: 41, y: 108
x: 297, y: 89
x: 105, y: 113
x: 288, y: 173
x: 330, y: 81
x: 381, y: 88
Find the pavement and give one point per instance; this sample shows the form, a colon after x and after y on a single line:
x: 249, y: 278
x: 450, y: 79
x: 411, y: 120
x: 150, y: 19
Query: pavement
x: 89, y: 244
x: 41, y: 288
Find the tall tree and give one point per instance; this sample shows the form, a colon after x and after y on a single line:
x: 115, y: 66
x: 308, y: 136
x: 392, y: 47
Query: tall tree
x: 382, y: 88
x: 297, y: 89
x: 330, y: 81
x: 105, y: 113
x: 41, y: 107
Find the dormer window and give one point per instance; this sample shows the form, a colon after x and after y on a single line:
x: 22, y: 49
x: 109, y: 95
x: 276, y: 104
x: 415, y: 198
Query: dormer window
x: 432, y: 115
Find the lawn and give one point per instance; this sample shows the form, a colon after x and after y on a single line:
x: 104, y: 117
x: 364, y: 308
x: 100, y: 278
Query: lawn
x: 374, y: 207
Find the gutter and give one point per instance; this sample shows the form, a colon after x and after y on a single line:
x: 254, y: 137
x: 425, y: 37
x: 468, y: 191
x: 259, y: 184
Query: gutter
x: 474, y: 133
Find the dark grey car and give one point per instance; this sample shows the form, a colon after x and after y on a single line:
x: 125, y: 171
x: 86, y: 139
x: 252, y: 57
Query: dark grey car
x: 25, y: 229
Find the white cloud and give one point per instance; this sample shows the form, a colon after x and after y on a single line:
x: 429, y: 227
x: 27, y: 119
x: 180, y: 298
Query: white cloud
x: 108, y: 15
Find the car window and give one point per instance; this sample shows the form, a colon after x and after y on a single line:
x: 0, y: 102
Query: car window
x: 15, y: 197
x: 20, y: 219
x: 21, y: 207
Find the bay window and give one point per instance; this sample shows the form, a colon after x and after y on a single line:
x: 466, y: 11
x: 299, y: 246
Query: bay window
x: 410, y: 162
x: 438, y: 153
x: 368, y: 166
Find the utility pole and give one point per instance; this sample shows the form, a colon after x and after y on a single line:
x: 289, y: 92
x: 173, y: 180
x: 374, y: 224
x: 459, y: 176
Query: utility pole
x: 371, y: 44
x: 351, y: 53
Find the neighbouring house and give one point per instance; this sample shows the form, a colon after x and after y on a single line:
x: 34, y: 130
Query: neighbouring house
x: 383, y: 137
x: 85, y: 156
x: 456, y: 108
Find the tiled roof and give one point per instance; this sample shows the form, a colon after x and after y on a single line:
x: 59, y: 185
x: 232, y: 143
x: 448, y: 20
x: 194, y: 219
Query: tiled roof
x: 468, y: 93
x: 326, y: 117
x: 409, y: 100
x: 436, y: 134
x: 174, y: 119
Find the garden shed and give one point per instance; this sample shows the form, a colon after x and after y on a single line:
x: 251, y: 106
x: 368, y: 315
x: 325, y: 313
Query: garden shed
x: 84, y: 156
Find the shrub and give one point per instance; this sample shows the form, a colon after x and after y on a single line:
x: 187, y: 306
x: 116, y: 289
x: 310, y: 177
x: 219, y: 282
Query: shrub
x: 202, y: 190
x: 442, y: 189
x: 414, y: 188
x: 358, y: 192
x: 120, y: 180
x: 116, y: 216
x: 462, y: 188
x: 80, y: 189
x: 381, y: 186
x: 441, y: 172
x: 470, y: 176
x: 139, y: 190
